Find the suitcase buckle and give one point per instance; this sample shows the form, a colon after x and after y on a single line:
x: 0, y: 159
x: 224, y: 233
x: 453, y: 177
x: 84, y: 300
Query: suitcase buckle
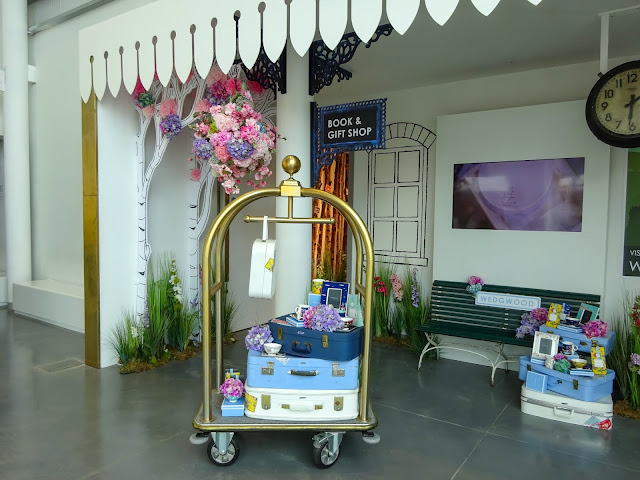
x: 325, y: 341
x: 266, y: 402
x: 335, y: 371
x: 279, y: 333
x: 338, y: 403
x: 268, y: 370
x: 575, y: 384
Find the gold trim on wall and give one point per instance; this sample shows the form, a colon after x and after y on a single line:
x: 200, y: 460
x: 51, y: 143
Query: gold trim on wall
x: 90, y: 228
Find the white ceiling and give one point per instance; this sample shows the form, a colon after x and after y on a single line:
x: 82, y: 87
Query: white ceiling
x: 517, y: 36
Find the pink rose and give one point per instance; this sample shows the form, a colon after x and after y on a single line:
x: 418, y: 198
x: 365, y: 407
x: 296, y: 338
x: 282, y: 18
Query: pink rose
x: 168, y: 107
x: 196, y: 174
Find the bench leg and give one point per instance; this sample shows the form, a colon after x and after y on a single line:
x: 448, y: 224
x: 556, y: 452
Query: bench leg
x: 431, y: 345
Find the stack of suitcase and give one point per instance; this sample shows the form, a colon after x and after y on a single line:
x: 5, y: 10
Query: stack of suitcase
x: 314, y: 377
x: 568, y: 398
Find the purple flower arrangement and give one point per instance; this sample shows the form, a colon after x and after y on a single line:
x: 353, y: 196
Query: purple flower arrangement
x: 531, y: 322
x: 634, y: 363
x: 171, y: 126
x: 415, y: 296
x: 475, y: 285
x: 323, y: 318
x: 257, y: 337
x: 232, y: 388
x: 202, y: 149
x: 595, y: 328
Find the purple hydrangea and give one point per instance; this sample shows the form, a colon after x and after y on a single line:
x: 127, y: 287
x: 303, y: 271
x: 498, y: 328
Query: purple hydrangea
x: 171, y: 126
x: 529, y: 325
x: 324, y: 318
x: 257, y: 337
x: 634, y: 361
x: 202, y: 149
x: 239, y: 149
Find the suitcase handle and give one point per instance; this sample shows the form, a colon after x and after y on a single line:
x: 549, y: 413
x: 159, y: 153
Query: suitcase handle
x: 303, y: 351
x: 303, y: 407
x: 304, y: 373
x: 562, y: 411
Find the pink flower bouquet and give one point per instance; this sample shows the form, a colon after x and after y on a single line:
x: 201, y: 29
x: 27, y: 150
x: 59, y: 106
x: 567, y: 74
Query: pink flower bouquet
x: 595, y: 328
x: 232, y: 388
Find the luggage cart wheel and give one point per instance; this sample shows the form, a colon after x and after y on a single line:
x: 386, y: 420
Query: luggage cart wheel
x: 223, y: 457
x: 326, y: 449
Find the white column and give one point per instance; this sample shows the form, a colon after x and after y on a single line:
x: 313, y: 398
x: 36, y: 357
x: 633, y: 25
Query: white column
x: 16, y: 142
x: 293, y: 273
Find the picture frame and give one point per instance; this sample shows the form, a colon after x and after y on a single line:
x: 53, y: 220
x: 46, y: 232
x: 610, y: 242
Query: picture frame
x: 335, y: 294
x: 587, y: 312
x: 544, y: 345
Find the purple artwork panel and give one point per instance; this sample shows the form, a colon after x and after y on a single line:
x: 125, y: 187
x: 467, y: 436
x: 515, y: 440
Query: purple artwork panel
x: 533, y: 195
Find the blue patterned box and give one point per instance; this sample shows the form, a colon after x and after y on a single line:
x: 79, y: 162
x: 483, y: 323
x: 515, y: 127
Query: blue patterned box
x: 235, y: 409
x: 536, y: 381
x: 335, y: 294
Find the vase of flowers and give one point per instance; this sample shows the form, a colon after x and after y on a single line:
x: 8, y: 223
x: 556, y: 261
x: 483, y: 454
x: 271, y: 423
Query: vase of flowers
x: 475, y: 285
x: 324, y: 318
x: 232, y: 389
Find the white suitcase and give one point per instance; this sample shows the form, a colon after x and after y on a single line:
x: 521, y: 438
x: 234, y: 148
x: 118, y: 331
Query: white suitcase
x: 598, y: 414
x: 300, y: 405
x: 262, y: 278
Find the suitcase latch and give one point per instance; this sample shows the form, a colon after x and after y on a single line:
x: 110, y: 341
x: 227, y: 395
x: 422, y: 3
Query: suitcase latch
x: 338, y: 403
x: 528, y: 368
x: 325, y: 341
x: 335, y: 371
x: 280, y: 333
x: 268, y: 370
x: 266, y: 402
x: 575, y: 384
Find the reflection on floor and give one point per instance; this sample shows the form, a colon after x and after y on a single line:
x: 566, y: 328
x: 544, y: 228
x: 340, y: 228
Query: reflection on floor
x: 67, y: 421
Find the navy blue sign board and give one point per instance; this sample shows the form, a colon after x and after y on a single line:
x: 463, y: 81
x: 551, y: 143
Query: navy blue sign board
x: 345, y: 128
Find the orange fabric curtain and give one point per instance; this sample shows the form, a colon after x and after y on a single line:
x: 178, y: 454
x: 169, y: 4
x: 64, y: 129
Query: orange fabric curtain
x: 331, y: 240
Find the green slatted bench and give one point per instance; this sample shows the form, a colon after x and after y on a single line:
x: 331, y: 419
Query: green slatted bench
x: 454, y: 313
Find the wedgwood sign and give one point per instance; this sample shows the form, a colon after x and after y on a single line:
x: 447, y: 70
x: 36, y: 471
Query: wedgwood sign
x: 507, y: 300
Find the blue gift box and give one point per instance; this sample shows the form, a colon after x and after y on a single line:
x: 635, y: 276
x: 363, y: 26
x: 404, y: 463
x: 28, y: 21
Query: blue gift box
x: 536, y: 381
x: 235, y: 409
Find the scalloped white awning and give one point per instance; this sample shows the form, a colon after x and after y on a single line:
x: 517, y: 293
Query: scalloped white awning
x: 167, y: 34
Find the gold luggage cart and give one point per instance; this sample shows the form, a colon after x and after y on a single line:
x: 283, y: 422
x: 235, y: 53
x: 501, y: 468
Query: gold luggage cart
x: 222, y: 448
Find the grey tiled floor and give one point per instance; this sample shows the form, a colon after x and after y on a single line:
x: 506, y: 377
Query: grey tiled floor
x: 443, y: 422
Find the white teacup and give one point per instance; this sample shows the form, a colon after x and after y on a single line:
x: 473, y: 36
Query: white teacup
x: 272, y: 348
x: 300, y: 309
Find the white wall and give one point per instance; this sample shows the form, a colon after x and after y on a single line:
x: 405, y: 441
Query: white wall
x: 117, y: 120
x: 56, y: 147
x: 566, y: 261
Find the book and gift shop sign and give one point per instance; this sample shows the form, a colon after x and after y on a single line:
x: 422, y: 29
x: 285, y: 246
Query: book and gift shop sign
x: 352, y: 126
x: 506, y: 300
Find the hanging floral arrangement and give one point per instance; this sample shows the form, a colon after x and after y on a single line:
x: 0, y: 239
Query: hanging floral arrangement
x: 231, y: 136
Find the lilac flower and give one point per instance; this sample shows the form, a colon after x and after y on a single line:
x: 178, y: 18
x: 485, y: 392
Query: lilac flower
x: 171, y: 126
x: 145, y: 315
x: 634, y: 361
x: 202, y: 149
x: 322, y: 317
x: 239, y: 149
x: 529, y: 324
x: 415, y: 296
x: 257, y: 337
x: 194, y: 302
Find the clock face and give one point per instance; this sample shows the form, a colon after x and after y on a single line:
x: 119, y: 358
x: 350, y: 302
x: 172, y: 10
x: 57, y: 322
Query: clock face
x: 613, y: 106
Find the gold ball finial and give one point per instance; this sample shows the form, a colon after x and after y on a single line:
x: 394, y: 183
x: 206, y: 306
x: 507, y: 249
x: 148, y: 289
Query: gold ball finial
x: 291, y: 165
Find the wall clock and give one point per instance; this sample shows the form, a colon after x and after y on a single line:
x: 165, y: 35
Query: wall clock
x: 613, y: 106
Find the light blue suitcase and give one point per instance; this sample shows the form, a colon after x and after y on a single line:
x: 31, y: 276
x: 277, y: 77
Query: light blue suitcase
x: 581, y: 340
x: 286, y: 372
x: 588, y: 389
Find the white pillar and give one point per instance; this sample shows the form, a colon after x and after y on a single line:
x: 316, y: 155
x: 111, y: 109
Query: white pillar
x: 16, y: 142
x: 293, y: 273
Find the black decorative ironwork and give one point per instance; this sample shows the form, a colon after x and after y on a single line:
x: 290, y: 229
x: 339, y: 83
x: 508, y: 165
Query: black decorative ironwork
x: 271, y: 76
x: 325, y: 65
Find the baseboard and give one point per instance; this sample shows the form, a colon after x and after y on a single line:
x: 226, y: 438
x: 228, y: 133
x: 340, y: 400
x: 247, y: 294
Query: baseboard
x: 50, y: 301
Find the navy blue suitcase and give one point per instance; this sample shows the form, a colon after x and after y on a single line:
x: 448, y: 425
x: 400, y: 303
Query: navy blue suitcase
x: 303, y: 342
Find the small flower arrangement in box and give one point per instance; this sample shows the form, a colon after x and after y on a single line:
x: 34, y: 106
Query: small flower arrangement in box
x: 324, y: 318
x: 595, y: 328
x: 257, y: 337
x: 475, y: 285
x: 531, y: 322
x: 232, y: 389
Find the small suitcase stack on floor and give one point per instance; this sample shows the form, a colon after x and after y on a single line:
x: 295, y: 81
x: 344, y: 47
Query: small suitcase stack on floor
x: 314, y: 376
x: 577, y: 397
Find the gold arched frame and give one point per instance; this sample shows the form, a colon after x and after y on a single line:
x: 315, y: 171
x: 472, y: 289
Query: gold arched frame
x: 216, y: 238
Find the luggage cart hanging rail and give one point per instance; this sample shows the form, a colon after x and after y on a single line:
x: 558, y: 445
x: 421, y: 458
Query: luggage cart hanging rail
x: 291, y: 189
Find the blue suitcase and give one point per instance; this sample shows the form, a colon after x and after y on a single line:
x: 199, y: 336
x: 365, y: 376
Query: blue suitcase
x: 588, y: 389
x: 283, y: 371
x: 580, y: 339
x: 303, y: 342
